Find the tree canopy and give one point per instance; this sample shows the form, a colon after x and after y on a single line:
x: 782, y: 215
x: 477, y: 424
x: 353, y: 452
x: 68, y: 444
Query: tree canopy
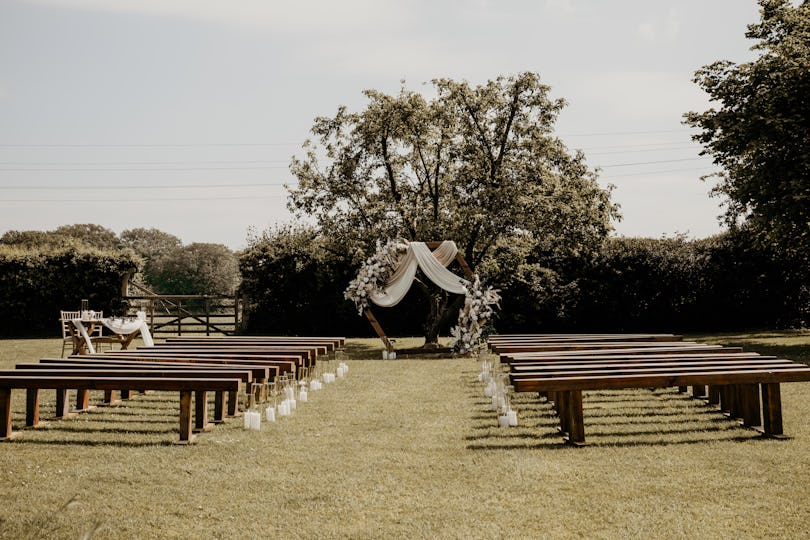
x: 473, y: 164
x: 759, y: 132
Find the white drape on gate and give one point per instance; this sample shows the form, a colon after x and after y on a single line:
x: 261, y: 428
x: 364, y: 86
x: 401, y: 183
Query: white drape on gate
x: 433, y: 265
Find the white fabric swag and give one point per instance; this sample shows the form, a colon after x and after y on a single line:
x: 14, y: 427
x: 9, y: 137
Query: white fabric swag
x: 433, y: 265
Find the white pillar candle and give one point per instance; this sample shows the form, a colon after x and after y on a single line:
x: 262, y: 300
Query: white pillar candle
x: 512, y: 417
x: 255, y: 420
x: 345, y: 367
x: 392, y: 355
x: 270, y: 414
x: 385, y: 355
x: 284, y: 408
x: 303, y: 396
x: 503, y: 420
x: 288, y: 392
x: 246, y: 418
x: 488, y: 390
x: 340, y: 372
x: 293, y: 405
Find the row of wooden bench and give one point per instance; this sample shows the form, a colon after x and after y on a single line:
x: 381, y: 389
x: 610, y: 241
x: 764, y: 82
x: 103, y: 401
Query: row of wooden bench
x: 191, y: 366
x: 744, y: 385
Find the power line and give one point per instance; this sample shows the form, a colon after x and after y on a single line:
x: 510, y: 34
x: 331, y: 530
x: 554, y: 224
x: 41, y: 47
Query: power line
x: 162, y: 199
x: 182, y: 186
x: 138, y: 169
x: 68, y: 163
x: 616, y: 133
x: 647, y: 173
x: 180, y: 145
x: 648, y: 162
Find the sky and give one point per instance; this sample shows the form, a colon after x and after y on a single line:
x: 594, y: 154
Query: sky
x: 183, y: 115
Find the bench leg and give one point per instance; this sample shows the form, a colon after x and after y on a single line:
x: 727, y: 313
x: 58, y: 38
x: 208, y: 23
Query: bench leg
x: 62, y: 409
x: 31, y: 407
x: 698, y: 391
x: 576, y: 422
x: 562, y: 410
x: 201, y: 411
x: 682, y: 389
x: 772, y: 409
x: 186, y: 436
x: 751, y: 416
x: 219, y: 407
x: 5, y: 415
x: 125, y: 394
x: 82, y: 399
x: 233, y: 403
x: 714, y: 395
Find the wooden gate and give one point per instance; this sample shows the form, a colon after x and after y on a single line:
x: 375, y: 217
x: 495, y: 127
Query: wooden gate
x: 184, y: 314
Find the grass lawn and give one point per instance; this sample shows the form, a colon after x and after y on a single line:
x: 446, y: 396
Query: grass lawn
x: 409, y: 449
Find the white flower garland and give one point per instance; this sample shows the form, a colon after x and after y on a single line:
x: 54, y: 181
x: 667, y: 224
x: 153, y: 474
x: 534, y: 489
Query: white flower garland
x: 374, y: 274
x: 474, y: 316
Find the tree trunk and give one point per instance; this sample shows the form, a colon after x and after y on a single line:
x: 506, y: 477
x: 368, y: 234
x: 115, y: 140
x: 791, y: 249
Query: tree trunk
x: 441, y: 308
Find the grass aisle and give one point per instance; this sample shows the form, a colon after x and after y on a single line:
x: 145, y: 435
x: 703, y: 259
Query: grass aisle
x: 409, y: 449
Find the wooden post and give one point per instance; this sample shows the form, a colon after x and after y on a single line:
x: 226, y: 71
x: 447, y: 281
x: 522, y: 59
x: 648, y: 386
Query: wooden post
x: 576, y: 423
x: 219, y: 407
x: 185, y: 418
x: 751, y: 416
x: 377, y: 328
x: 233, y: 403
x: 31, y: 407
x: 698, y: 390
x: 714, y: 395
x: 772, y: 409
x: 201, y: 411
x: 82, y: 399
x: 207, y: 316
x: 61, y: 403
x: 5, y: 414
x: 179, y: 318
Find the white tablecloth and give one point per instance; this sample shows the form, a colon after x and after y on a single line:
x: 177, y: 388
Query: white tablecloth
x: 119, y: 325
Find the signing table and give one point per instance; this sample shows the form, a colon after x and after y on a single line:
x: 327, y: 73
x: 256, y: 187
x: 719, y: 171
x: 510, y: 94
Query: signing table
x: 124, y: 329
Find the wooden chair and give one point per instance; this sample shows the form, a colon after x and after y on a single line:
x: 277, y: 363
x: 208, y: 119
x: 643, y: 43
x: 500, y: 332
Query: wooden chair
x: 67, y: 328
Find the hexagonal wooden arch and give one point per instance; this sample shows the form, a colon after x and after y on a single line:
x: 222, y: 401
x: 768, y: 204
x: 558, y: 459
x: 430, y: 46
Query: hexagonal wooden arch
x: 376, y: 324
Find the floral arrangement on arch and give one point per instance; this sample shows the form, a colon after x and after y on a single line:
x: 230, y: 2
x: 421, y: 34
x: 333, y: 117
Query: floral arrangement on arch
x: 479, y: 306
x: 374, y: 274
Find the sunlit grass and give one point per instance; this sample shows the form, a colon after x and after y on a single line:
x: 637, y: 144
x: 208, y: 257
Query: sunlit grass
x: 409, y: 449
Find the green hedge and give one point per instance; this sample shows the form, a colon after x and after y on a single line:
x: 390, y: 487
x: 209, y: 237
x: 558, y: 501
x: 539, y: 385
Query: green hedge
x: 36, y: 284
x: 294, y: 284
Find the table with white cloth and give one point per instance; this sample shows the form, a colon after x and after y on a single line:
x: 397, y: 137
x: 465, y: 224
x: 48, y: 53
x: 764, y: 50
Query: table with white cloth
x: 124, y: 330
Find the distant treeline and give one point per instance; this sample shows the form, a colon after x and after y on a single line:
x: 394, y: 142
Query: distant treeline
x: 293, y: 283
x: 35, y: 284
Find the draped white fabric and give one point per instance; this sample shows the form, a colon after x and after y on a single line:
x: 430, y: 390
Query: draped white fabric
x: 433, y: 265
x: 128, y: 326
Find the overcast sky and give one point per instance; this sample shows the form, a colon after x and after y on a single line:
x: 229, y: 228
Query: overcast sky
x: 183, y: 114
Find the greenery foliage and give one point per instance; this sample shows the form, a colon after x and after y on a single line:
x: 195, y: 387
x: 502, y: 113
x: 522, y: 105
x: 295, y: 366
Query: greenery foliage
x: 475, y: 164
x: 725, y: 282
x: 35, y: 284
x: 760, y: 131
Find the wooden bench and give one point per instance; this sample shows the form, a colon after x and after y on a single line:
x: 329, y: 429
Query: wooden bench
x: 186, y: 385
x: 331, y: 343
x: 302, y: 358
x: 735, y: 383
x: 225, y: 403
x: 285, y: 364
x: 572, y: 338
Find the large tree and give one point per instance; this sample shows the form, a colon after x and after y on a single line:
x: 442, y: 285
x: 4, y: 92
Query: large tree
x: 759, y: 132
x: 474, y: 164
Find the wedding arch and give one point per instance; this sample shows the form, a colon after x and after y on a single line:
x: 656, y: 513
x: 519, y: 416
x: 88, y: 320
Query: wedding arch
x: 387, y: 277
